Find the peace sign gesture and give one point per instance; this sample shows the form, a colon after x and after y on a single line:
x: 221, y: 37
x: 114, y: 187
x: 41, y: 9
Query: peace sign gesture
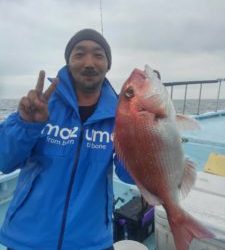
x: 34, y: 106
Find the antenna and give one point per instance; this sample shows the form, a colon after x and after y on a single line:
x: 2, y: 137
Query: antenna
x: 101, y: 16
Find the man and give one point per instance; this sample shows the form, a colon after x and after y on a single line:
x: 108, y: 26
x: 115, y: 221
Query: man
x: 61, y: 139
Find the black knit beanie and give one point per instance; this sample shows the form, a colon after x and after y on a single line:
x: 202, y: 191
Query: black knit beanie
x: 88, y: 34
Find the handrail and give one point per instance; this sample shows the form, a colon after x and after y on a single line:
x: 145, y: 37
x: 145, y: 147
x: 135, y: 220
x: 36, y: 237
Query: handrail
x: 201, y: 83
x: 192, y: 82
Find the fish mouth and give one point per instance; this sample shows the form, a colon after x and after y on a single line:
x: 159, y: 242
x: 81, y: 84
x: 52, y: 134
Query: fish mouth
x: 151, y: 73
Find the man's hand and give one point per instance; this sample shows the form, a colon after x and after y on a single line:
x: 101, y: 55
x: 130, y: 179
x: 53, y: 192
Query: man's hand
x: 34, y: 106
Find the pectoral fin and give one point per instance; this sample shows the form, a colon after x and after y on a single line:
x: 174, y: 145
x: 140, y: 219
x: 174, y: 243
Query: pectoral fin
x: 149, y: 197
x: 188, y: 179
x: 185, y: 122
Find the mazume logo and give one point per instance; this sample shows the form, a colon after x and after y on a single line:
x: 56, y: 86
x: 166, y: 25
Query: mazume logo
x: 97, y: 139
x: 98, y: 136
x: 60, y: 136
x: 64, y: 136
x: 63, y: 133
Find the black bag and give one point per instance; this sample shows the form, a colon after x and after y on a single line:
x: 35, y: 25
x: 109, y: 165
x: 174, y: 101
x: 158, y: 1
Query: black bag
x: 134, y: 220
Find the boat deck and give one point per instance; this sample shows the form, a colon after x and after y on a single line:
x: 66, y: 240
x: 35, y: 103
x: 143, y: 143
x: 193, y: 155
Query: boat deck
x: 209, y: 139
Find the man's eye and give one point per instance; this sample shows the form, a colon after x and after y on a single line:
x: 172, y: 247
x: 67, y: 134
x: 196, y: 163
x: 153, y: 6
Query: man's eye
x: 99, y: 55
x: 79, y: 54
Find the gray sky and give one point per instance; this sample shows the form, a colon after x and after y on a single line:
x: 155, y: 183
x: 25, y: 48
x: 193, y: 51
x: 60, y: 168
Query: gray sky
x: 184, y: 40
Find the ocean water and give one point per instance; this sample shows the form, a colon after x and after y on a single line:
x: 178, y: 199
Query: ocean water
x: 7, y: 106
x: 192, y: 106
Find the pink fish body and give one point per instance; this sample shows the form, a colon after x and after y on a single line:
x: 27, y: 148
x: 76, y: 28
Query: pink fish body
x: 147, y: 139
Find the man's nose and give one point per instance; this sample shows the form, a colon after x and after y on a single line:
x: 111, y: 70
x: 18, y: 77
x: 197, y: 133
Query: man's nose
x: 89, y: 60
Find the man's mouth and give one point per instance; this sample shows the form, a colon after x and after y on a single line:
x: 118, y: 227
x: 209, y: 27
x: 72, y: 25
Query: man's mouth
x: 89, y: 73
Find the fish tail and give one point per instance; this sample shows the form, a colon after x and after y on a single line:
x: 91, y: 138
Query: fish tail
x: 184, y: 228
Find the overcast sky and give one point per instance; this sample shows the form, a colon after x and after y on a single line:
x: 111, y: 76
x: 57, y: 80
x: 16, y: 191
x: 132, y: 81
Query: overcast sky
x: 183, y: 39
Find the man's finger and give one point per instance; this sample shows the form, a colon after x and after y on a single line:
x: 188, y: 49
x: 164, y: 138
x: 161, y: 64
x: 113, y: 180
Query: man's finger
x: 24, y: 104
x: 24, y: 108
x: 40, y: 83
x: 50, y: 89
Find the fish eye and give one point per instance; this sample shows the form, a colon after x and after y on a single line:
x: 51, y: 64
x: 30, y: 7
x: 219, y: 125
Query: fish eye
x: 129, y: 93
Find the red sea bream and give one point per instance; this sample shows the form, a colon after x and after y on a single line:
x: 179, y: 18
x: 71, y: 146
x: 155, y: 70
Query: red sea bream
x: 147, y: 140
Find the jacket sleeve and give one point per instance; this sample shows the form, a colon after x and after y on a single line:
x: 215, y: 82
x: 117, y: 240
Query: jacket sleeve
x: 121, y: 171
x: 17, y: 138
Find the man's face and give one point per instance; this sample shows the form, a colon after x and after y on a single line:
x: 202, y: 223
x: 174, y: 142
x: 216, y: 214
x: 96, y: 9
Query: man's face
x: 88, y: 65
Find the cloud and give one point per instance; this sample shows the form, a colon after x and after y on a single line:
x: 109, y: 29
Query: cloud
x: 183, y: 39
x: 169, y: 25
x: 172, y: 66
x: 39, y: 31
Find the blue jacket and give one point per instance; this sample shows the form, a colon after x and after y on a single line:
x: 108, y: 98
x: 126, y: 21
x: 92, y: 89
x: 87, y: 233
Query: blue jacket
x: 64, y: 197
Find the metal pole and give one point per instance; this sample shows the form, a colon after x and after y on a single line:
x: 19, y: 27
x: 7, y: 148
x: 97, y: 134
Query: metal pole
x: 218, y: 95
x: 171, y: 92
x: 101, y: 16
x: 199, y: 98
x: 185, y: 98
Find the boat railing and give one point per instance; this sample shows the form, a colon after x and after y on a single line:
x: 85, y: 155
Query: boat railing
x: 219, y: 83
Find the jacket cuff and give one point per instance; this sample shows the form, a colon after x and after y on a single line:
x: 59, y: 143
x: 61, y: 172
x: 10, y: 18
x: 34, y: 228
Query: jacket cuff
x: 32, y: 129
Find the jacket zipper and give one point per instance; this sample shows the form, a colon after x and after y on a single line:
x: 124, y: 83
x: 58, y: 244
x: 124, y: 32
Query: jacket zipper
x: 69, y: 191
